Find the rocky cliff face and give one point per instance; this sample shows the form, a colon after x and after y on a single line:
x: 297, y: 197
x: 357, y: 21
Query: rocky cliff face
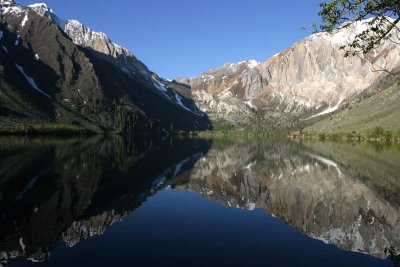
x: 309, y: 79
x: 97, y: 41
x: 62, y: 72
x: 377, y: 106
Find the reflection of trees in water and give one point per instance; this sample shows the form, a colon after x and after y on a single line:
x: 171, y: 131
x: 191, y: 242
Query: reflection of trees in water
x: 73, y: 189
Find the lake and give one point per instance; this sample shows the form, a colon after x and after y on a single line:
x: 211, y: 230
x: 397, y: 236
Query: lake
x: 112, y: 201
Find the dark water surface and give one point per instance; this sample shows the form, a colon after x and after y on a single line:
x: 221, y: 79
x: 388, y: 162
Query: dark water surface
x: 268, y: 202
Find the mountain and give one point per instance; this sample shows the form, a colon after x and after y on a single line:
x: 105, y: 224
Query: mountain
x: 308, y: 80
x: 376, y: 107
x: 61, y: 74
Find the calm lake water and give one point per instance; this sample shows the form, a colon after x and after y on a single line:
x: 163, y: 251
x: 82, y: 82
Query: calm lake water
x: 268, y: 202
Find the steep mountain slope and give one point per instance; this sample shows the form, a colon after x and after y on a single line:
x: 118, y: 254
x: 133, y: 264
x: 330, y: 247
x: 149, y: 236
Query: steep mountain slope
x: 309, y: 79
x: 97, y: 41
x: 74, y: 76
x: 378, y: 106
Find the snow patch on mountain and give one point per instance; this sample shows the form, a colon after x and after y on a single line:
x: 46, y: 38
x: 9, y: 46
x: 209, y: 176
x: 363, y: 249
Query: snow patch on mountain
x: 328, y: 110
x: 250, y: 104
x: 178, y: 99
x: 41, y: 8
x: 30, y: 80
x: 252, y: 64
x: 346, y: 32
x: 12, y: 10
x: 161, y: 87
x: 44, y: 11
x: 25, y: 20
x: 7, y: 2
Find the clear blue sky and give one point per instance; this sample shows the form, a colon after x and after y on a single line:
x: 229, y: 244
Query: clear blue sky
x: 177, y: 38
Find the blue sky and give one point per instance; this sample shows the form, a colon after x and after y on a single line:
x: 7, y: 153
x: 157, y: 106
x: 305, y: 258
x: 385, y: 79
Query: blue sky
x: 181, y: 38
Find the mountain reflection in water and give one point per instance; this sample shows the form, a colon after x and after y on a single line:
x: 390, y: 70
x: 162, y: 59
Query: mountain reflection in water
x: 54, y: 191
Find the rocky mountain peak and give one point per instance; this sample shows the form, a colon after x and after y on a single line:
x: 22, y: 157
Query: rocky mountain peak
x: 220, y: 75
x: 44, y: 11
x: 9, y: 7
x: 96, y: 41
x: 234, y: 67
x: 83, y: 35
x: 347, y: 33
x: 41, y: 8
x: 7, y: 2
x: 79, y: 33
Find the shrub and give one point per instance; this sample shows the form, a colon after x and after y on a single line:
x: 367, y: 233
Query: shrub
x: 378, y: 131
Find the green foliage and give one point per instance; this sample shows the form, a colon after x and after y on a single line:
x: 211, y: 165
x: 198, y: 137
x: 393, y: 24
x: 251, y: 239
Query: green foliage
x: 40, y: 128
x: 224, y: 127
x: 238, y: 133
x: 340, y: 14
x: 388, y: 135
x: 378, y: 131
x: 379, y: 134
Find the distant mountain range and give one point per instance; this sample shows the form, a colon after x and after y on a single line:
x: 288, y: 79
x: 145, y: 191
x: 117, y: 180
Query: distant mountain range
x: 60, y: 73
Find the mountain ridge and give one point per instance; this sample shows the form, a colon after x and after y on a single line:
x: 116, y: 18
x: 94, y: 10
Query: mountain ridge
x: 309, y: 79
x: 84, y: 85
